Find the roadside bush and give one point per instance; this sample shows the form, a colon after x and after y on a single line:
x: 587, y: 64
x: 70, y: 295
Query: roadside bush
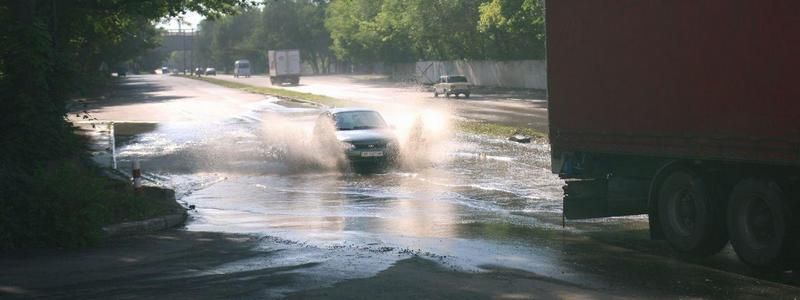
x: 65, y: 204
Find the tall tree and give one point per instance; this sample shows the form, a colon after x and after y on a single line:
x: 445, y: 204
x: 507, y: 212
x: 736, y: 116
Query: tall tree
x: 514, y: 27
x: 353, y: 29
x: 51, y: 50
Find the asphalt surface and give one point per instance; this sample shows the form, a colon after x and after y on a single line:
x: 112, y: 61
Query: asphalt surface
x: 516, y: 107
x: 463, y: 216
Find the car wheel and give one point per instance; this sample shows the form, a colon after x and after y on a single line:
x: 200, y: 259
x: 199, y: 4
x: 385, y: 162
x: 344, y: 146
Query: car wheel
x: 435, y: 94
x: 446, y: 95
x: 466, y: 95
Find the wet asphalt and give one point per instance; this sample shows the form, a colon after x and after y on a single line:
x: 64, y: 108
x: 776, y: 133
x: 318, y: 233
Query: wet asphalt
x: 458, y: 203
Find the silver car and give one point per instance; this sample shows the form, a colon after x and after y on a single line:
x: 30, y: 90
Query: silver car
x: 362, y: 134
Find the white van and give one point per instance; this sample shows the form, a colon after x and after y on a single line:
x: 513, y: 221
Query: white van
x: 241, y: 68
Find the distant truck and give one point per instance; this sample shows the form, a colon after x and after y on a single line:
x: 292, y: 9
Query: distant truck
x: 688, y: 111
x: 284, y: 66
x: 241, y: 68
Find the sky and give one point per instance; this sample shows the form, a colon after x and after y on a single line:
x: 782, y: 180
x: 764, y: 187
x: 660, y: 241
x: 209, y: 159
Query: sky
x: 192, y: 18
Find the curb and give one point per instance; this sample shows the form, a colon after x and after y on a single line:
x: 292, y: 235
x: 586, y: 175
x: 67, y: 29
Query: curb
x: 145, y: 226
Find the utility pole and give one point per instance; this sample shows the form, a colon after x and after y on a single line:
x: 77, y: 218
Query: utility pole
x: 191, y: 46
x: 183, y: 45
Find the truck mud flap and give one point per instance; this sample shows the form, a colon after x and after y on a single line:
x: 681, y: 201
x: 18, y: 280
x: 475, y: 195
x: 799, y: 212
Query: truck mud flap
x: 585, y: 199
x: 598, y: 198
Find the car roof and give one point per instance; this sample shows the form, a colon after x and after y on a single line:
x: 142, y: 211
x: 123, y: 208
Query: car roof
x: 348, y: 109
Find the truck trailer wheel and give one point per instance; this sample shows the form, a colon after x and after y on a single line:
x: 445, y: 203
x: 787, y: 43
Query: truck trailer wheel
x: 690, y: 215
x: 761, y: 224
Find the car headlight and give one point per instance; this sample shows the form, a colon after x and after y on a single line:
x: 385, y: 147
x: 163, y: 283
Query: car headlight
x: 347, y: 146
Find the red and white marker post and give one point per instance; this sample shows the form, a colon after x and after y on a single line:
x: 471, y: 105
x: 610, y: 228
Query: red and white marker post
x: 137, y: 175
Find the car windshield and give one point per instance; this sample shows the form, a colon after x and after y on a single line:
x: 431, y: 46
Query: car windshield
x: 243, y: 66
x: 356, y: 120
x: 457, y: 79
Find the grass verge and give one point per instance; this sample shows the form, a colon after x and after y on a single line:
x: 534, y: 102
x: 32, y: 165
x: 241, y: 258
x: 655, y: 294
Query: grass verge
x: 293, y: 95
x: 484, y: 128
x: 497, y: 130
x: 64, y: 204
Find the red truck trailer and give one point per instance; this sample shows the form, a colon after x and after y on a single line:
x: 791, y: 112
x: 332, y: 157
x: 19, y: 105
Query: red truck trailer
x: 685, y: 110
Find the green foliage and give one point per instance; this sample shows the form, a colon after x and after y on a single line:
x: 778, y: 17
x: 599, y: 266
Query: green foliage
x: 274, y: 25
x: 365, y: 31
x: 410, y: 30
x: 515, y: 28
x: 152, y: 59
x: 51, y: 51
x: 65, y: 205
x: 354, y: 31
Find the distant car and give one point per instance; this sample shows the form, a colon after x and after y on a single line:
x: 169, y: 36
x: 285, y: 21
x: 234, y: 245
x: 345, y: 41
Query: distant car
x: 362, y: 134
x: 199, y: 71
x: 241, y: 68
x: 164, y: 70
x: 211, y: 71
x: 452, y: 85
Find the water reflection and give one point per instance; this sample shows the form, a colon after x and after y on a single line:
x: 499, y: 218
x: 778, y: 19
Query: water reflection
x: 422, y: 212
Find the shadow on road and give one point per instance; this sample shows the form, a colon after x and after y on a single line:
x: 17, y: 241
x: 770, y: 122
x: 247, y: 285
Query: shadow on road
x: 169, y: 265
x: 126, y: 91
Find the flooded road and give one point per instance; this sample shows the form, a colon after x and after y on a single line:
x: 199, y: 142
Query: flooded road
x: 527, y: 108
x: 468, y: 203
x: 461, y: 216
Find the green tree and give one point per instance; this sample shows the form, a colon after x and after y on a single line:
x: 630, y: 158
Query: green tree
x: 353, y: 30
x: 410, y: 30
x: 515, y: 28
x: 51, y: 50
x: 282, y: 24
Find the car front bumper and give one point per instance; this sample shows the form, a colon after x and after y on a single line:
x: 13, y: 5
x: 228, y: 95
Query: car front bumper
x: 458, y: 91
x: 367, y: 156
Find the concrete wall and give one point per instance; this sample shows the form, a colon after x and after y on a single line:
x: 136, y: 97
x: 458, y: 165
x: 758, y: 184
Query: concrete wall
x: 531, y: 74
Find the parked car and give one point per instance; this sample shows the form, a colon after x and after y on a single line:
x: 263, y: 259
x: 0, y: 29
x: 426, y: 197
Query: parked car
x: 211, y: 71
x: 199, y: 71
x: 363, y: 135
x: 452, y: 85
